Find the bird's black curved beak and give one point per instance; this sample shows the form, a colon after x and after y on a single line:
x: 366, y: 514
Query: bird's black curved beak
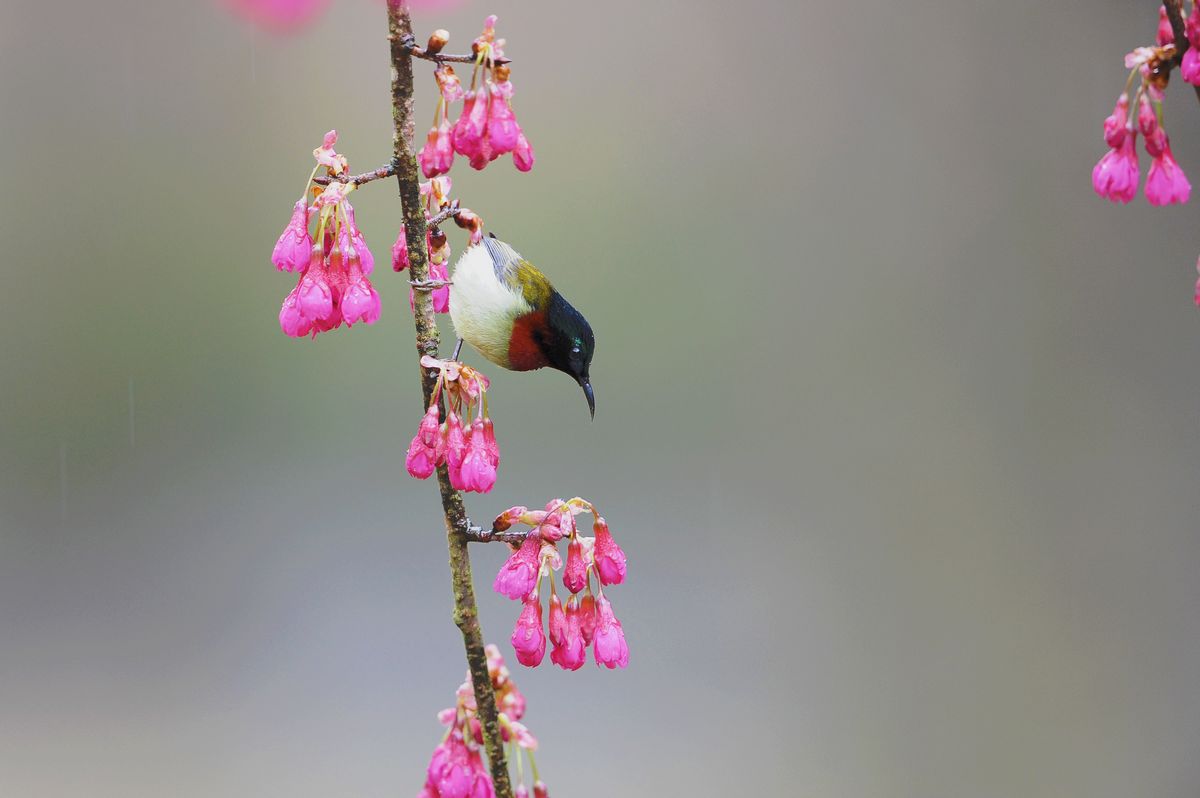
x: 591, y: 397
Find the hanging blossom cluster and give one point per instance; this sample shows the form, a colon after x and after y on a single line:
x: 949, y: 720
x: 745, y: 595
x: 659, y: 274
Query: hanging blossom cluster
x: 469, y: 452
x: 487, y: 127
x: 333, y: 263
x: 587, y: 619
x: 456, y: 769
x: 1139, y: 111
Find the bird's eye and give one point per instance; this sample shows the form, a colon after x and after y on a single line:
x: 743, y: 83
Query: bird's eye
x: 575, y: 350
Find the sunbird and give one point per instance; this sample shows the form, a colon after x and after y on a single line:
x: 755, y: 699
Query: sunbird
x: 504, y: 307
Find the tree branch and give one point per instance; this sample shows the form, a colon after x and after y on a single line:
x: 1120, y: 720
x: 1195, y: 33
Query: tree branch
x: 466, y: 612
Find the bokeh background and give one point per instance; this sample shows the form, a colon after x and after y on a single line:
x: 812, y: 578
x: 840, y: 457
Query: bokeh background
x: 897, y: 421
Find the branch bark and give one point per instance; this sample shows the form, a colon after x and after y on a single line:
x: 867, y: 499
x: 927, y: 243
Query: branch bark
x: 466, y: 612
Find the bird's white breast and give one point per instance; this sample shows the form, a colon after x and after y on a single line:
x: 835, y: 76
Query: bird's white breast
x: 482, y: 306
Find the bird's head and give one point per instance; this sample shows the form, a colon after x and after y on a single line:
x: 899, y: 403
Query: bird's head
x: 568, y: 344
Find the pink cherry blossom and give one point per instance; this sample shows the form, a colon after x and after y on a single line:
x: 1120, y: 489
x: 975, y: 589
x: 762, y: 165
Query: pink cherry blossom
x: 523, y: 154
x: 425, y: 451
x: 519, y: 574
x: 1115, y: 176
x: 456, y: 447
x: 1166, y: 183
x: 278, y: 15
x: 400, y: 251
x: 571, y: 653
x: 294, y: 246
x: 291, y: 319
x: 1196, y: 298
x: 575, y: 575
x: 540, y: 790
x: 587, y: 618
x: 558, y: 621
x: 528, y: 639
x: 477, y: 473
x: 1115, y: 125
x: 1165, y: 34
x: 502, y: 128
x: 609, y: 641
x: 607, y: 555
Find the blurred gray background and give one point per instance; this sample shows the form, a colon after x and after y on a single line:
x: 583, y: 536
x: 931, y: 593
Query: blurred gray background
x: 897, y: 421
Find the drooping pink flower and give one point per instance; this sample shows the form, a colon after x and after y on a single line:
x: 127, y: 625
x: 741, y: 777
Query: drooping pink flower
x: 437, y: 155
x: 1189, y: 67
x: 294, y: 246
x: 1165, y: 34
x: 456, y: 447
x: 558, y: 622
x: 587, y: 618
x: 467, y: 133
x: 519, y: 574
x: 314, y: 293
x: 456, y: 771
x: 502, y: 127
x: 1166, y: 184
x: 440, y: 296
x: 448, y: 83
x: 425, y: 451
x: 609, y: 639
x: 476, y: 474
x: 489, y: 440
x: 278, y: 15
x: 1115, y: 176
x: 575, y: 574
x: 571, y: 653
x: 540, y: 790
x: 400, y: 251
x: 609, y: 559
x: 359, y: 301
x: 365, y: 259
x: 1196, y: 298
x: 528, y: 639
x: 521, y: 791
x: 523, y: 154
x: 291, y: 319
x: 1115, y: 125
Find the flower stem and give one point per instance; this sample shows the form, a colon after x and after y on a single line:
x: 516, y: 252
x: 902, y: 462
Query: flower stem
x: 466, y: 612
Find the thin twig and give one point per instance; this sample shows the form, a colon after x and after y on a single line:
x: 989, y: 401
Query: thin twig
x: 444, y: 214
x: 429, y: 285
x: 410, y: 43
x: 466, y: 612
x: 358, y: 180
x: 477, y: 534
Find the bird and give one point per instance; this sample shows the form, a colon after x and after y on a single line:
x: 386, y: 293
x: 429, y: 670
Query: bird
x: 508, y: 311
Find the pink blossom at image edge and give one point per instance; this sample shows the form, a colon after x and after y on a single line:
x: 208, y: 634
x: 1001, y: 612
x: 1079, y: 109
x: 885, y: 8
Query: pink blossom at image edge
x: 288, y: 16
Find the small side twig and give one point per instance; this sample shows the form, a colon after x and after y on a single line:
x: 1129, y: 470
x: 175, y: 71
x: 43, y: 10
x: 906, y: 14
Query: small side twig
x: 358, y: 180
x: 429, y: 285
x: 477, y: 534
x: 410, y: 43
x: 443, y: 214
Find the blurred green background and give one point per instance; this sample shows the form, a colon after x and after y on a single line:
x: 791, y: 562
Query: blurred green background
x: 897, y: 421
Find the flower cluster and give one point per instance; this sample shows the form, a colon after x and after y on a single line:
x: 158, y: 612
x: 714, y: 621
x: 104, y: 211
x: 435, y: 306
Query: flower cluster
x: 487, y: 126
x: 470, y: 453
x: 437, y: 198
x: 585, y: 620
x: 456, y: 769
x: 1116, y: 175
x: 334, y: 264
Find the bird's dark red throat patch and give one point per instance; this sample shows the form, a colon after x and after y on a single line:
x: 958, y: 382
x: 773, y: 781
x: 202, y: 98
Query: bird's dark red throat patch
x: 524, y: 353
